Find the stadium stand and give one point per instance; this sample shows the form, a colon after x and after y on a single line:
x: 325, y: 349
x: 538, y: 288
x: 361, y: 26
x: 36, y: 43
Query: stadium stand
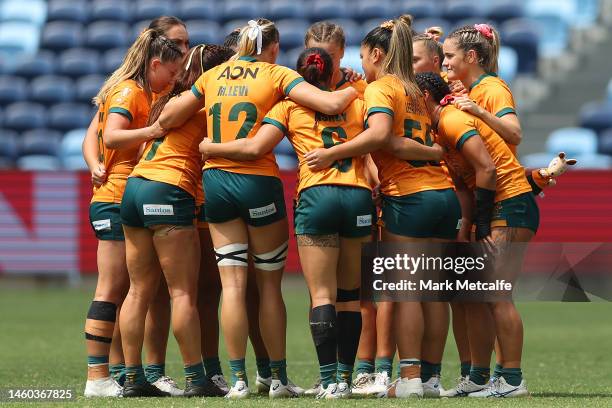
x: 55, y: 55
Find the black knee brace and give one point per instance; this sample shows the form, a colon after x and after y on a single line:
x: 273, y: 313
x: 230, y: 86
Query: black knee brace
x: 347, y: 295
x: 105, y: 311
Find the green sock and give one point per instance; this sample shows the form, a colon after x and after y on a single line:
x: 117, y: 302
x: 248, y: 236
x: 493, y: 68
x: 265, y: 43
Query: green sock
x: 345, y: 373
x: 328, y: 374
x: 263, y: 367
x: 154, y: 372
x: 479, y: 375
x: 497, y: 372
x: 365, y: 367
x: 429, y: 370
x: 278, y: 370
x: 194, y: 374
x: 238, y: 368
x: 117, y: 371
x: 513, y: 376
x: 135, y: 374
x: 212, y: 366
x: 96, y: 361
x: 385, y: 364
x: 465, y: 368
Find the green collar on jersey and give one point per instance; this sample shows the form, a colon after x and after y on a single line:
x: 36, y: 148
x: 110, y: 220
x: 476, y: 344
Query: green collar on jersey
x: 247, y: 58
x: 483, y: 76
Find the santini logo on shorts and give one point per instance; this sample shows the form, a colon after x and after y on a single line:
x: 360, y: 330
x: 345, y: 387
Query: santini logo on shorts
x: 262, y: 211
x: 102, y: 225
x: 364, y: 220
x: 158, y: 209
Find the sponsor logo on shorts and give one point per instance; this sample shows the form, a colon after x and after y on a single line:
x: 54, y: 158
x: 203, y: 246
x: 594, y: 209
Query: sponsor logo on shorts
x: 262, y: 212
x: 158, y: 209
x: 101, y: 225
x: 364, y: 220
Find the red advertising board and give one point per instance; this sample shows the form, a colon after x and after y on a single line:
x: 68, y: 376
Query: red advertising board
x: 44, y: 225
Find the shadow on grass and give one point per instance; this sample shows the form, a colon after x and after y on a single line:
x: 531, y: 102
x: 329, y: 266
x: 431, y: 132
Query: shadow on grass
x: 570, y: 395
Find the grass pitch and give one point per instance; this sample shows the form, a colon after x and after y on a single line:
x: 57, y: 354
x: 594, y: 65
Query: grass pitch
x: 567, y: 357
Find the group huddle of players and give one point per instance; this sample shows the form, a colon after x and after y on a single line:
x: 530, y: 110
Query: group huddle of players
x: 188, y: 204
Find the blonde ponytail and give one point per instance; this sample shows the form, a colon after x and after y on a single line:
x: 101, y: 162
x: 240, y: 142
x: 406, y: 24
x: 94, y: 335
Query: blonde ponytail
x: 148, y: 45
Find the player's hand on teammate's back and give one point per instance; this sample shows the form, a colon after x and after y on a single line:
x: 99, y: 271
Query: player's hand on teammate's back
x: 467, y: 105
x: 204, y: 148
x: 318, y: 159
x: 457, y: 88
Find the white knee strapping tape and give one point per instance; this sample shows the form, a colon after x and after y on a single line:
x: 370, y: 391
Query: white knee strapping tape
x: 273, y: 260
x: 232, y: 255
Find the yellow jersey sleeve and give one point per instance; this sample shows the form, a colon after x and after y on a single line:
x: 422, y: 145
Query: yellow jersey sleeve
x: 455, y: 128
x: 279, y: 115
x: 200, y: 84
x: 126, y: 101
x: 284, y: 79
x: 378, y: 99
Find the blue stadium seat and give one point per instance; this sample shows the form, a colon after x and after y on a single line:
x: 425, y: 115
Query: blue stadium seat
x: 242, y: 10
x: 586, y: 13
x: 292, y: 32
x: 112, y: 59
x: 30, y: 11
x: 281, y: 9
x: 12, y: 89
x: 6, y: 163
x: 521, y: 35
x: 199, y: 10
x: 22, y: 116
x: 284, y: 147
x: 103, y: 35
x: 423, y: 24
x: 68, y: 10
x: 51, y: 89
x: 39, y: 163
x: 18, y: 37
x: 291, y: 56
x: 368, y: 9
x: 329, y: 10
x: 40, y: 141
x: 536, y: 160
x: 461, y: 9
x: 138, y: 28
x: 594, y: 161
x: 551, y: 45
x: 9, y: 147
x: 508, y: 63
x: 352, y: 31
x: 572, y: 141
x: 596, y: 116
x: 419, y: 8
x: 605, y: 142
x: 72, y: 142
x: 286, y: 162
x: 204, y: 32
x: 61, y: 35
x: 87, y: 87
x: 1, y: 118
x: 41, y: 63
x: 77, y: 62
x: 502, y: 10
x: 150, y: 9
x: 609, y: 92
x: 115, y: 10
x: 351, y: 59
x: 74, y: 163
x: 566, y: 10
x: 68, y: 116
